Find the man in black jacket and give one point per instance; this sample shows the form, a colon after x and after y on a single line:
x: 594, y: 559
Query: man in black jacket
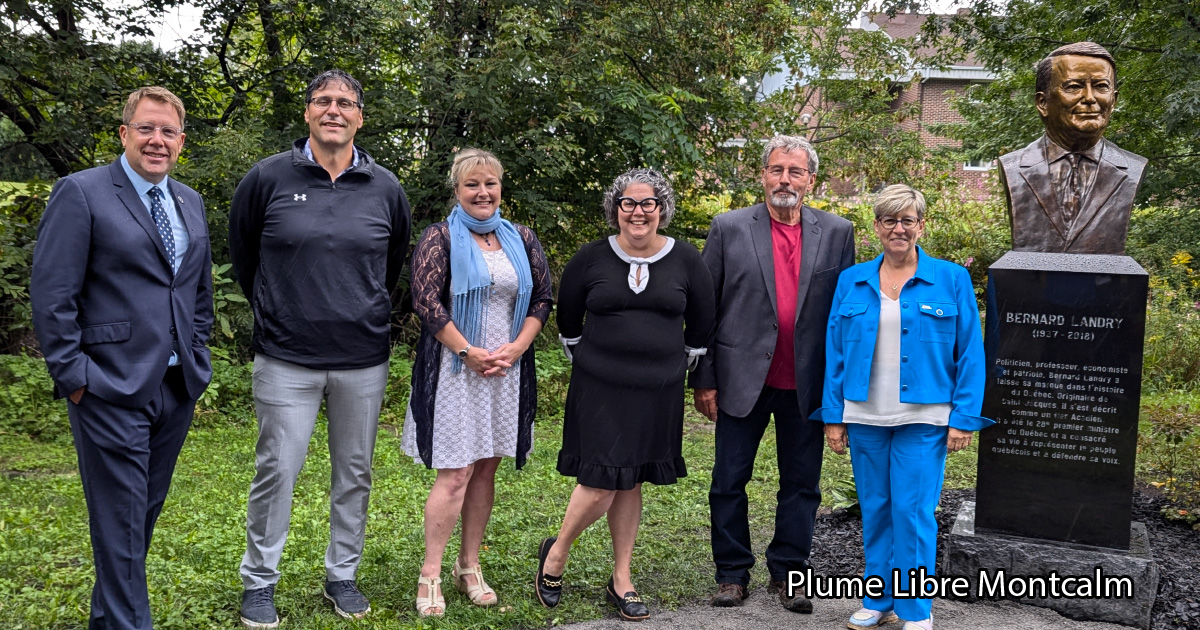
x: 317, y: 236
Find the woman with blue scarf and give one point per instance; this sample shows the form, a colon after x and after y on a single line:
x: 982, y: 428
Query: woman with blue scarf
x: 481, y: 288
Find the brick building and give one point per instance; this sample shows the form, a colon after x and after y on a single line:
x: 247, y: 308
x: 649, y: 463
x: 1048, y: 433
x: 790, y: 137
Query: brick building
x: 930, y: 88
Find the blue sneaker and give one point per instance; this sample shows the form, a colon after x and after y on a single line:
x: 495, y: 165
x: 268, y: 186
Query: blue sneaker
x: 348, y: 601
x: 258, y: 609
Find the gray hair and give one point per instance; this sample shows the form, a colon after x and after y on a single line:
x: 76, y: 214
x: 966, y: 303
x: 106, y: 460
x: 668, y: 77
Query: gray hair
x: 790, y: 144
x: 1083, y: 49
x: 896, y: 199
x: 654, y: 179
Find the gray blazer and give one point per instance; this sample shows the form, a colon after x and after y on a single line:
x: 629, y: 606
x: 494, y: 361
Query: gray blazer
x: 739, y: 255
x: 1037, y: 221
x: 107, y: 309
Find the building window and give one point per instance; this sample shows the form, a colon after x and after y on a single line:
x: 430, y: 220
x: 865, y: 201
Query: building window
x: 979, y: 165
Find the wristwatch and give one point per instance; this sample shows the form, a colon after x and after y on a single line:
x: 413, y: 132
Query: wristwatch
x: 462, y: 354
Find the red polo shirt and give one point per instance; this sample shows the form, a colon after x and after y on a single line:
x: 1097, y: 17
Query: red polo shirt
x: 786, y: 243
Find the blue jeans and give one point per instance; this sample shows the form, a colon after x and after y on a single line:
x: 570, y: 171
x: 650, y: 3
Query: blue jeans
x: 799, y: 447
x: 899, y: 472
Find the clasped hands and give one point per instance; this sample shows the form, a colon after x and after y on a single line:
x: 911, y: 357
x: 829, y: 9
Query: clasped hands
x: 493, y: 363
x: 838, y: 440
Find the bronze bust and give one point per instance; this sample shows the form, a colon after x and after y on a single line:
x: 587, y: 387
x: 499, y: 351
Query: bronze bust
x: 1071, y: 190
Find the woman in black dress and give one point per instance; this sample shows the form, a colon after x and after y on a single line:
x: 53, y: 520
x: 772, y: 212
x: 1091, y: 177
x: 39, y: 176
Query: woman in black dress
x: 634, y: 310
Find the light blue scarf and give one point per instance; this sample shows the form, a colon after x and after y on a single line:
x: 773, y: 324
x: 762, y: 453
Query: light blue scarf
x: 470, y: 280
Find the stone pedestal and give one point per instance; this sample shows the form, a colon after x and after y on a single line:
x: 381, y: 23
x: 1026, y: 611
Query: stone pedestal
x: 1063, y: 342
x: 1117, y: 586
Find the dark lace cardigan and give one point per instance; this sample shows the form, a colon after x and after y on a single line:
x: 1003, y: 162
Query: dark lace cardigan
x: 431, y: 294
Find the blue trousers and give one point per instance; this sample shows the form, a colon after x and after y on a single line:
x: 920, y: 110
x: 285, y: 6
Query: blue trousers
x: 126, y: 459
x: 899, y: 472
x: 799, y: 445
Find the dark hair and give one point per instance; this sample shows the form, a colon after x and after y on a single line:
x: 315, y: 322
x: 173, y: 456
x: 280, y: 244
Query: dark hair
x: 329, y: 76
x: 1083, y: 49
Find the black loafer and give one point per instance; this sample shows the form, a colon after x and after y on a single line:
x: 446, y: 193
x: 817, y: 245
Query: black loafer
x: 548, y: 587
x: 630, y: 607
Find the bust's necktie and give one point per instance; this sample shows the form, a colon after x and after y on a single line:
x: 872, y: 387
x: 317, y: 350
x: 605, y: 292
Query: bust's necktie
x: 163, y: 224
x: 1072, y: 191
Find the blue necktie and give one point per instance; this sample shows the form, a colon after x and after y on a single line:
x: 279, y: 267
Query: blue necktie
x: 163, y: 224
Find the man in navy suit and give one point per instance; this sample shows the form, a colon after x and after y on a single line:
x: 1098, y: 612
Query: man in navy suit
x: 122, y: 307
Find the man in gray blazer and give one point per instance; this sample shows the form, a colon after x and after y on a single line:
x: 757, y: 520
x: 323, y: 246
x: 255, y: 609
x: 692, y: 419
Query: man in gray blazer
x: 122, y: 306
x: 774, y: 266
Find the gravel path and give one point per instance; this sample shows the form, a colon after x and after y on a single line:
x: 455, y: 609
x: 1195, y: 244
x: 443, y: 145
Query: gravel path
x: 838, y: 550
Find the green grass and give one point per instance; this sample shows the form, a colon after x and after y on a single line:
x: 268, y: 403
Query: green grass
x: 46, y: 567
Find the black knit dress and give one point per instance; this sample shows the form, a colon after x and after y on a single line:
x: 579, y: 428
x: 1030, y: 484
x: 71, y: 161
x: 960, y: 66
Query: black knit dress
x: 624, y: 411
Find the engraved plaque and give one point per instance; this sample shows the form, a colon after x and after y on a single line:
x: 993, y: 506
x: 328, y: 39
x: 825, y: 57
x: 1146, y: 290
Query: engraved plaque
x: 1063, y: 339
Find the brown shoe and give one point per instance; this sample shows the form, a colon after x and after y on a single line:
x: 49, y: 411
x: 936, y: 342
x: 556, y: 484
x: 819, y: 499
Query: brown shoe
x: 797, y: 603
x: 729, y: 595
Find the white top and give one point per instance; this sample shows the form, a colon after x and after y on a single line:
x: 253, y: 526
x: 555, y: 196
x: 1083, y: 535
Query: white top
x: 883, y: 407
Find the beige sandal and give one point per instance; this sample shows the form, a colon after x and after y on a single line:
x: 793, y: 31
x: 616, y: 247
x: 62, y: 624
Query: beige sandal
x: 475, y: 592
x: 433, y: 598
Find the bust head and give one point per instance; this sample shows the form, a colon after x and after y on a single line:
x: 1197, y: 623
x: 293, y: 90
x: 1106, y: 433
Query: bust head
x: 1076, y: 93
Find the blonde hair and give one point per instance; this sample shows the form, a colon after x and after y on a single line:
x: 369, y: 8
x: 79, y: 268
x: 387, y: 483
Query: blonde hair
x: 154, y: 93
x: 896, y: 199
x: 468, y: 160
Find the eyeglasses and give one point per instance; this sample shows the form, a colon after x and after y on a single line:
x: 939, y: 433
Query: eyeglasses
x: 795, y: 172
x: 648, y: 205
x: 889, y: 223
x: 343, y: 104
x: 169, y: 132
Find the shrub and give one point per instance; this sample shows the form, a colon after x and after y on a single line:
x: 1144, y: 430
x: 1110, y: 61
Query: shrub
x: 27, y: 405
x: 20, y: 211
x: 1163, y: 240
x: 1172, y: 349
x: 1170, y: 452
x: 227, y: 400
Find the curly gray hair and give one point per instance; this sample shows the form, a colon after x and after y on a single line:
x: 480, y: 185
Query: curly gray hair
x: 652, y: 178
x: 790, y: 144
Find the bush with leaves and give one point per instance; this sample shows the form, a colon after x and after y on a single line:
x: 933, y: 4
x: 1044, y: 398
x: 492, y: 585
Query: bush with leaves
x: 1169, y: 454
x: 27, y: 405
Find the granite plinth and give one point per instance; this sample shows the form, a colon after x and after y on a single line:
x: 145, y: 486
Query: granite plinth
x: 999, y: 566
x: 1063, y: 341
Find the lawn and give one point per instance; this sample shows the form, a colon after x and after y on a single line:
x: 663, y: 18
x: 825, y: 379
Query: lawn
x: 46, y: 567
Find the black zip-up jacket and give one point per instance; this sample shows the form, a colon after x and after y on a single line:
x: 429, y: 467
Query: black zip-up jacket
x: 318, y: 259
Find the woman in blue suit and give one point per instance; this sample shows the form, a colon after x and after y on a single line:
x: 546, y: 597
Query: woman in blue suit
x: 904, y: 383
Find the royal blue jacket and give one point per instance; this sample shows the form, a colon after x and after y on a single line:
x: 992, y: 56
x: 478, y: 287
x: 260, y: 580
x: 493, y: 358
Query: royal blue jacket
x: 941, y: 346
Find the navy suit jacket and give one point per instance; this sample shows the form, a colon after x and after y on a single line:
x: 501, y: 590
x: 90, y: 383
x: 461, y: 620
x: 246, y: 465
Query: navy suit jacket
x: 740, y: 257
x: 106, y: 308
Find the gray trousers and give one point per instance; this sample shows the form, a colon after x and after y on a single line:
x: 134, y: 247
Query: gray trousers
x: 287, y: 398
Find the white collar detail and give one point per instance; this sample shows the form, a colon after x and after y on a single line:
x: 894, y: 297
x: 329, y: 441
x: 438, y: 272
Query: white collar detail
x: 639, y: 268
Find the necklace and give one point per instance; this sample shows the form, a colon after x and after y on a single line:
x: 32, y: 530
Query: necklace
x: 487, y: 238
x: 895, y: 285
